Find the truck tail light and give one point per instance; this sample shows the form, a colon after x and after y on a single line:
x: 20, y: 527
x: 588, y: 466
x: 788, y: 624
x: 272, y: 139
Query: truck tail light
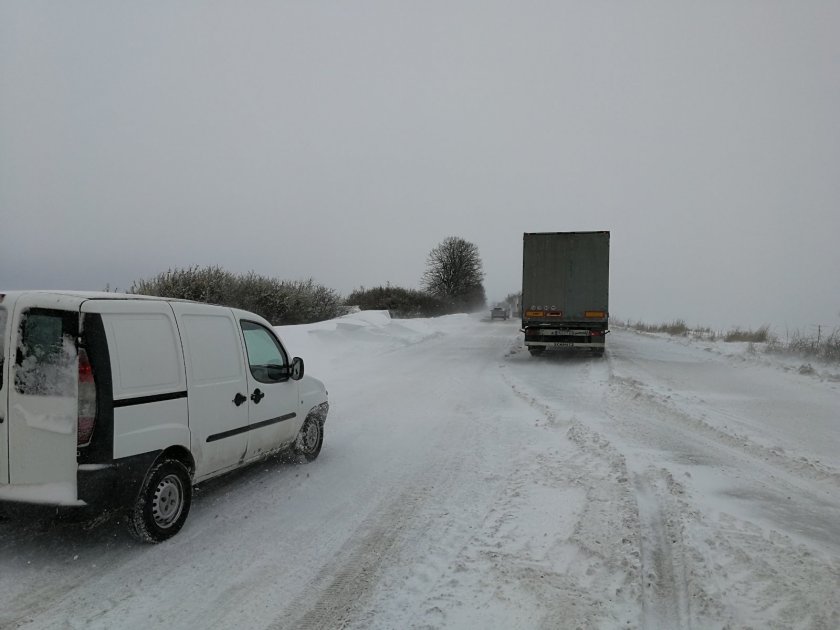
x: 596, y: 333
x: 87, y: 400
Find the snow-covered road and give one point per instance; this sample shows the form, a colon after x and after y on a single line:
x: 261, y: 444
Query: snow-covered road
x: 465, y: 484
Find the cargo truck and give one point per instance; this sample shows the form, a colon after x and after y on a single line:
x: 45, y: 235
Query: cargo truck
x: 565, y: 290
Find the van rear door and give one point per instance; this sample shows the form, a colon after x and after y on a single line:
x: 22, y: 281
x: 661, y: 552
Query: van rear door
x: 4, y: 390
x: 42, y: 394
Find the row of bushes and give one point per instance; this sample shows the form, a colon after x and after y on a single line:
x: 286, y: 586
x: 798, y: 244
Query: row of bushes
x: 825, y: 347
x: 761, y: 335
x: 677, y: 328
x: 287, y: 302
x: 279, y: 301
x: 400, y: 302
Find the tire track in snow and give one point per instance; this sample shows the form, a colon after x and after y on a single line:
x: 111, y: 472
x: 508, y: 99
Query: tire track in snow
x: 337, y: 596
x: 698, y: 569
x: 665, y: 600
x: 657, y: 561
x: 333, y: 598
x: 696, y: 442
x: 636, y: 393
x: 608, y: 531
x: 346, y: 591
x: 740, y: 570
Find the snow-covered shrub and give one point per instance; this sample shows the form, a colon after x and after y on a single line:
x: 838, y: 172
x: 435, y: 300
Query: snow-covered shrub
x: 831, y: 347
x: 762, y: 335
x: 819, y: 346
x: 279, y: 301
x: 399, y: 301
x: 212, y: 285
x: 676, y: 328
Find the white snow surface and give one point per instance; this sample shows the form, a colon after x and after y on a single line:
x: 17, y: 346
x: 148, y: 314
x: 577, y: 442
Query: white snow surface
x: 464, y: 484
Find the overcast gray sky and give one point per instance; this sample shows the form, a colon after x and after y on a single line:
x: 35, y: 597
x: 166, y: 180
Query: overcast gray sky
x: 343, y: 140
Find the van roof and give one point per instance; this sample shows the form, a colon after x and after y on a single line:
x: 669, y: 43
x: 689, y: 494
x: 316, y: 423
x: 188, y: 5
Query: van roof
x: 87, y: 295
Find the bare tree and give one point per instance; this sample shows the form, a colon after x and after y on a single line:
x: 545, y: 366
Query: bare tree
x: 454, y: 274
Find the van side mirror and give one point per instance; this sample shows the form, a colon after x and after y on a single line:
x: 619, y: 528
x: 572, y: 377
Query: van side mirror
x: 297, y: 369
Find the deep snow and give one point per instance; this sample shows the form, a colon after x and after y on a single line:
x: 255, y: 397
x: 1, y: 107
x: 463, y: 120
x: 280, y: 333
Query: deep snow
x: 465, y: 484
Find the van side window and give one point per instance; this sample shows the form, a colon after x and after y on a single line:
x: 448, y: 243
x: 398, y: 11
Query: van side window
x: 46, y: 357
x: 2, y: 342
x: 266, y: 358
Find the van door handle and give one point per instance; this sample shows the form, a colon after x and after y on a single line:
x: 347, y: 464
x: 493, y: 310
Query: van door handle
x: 239, y: 399
x: 257, y: 396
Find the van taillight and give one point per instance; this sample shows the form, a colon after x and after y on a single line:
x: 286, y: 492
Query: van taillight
x: 87, y: 400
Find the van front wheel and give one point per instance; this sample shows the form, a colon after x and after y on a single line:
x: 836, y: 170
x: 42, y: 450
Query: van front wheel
x: 309, y: 439
x: 163, y: 503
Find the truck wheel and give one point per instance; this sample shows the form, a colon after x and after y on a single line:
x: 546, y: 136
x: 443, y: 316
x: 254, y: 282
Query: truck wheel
x: 309, y: 439
x: 536, y: 350
x: 598, y: 352
x: 163, y: 503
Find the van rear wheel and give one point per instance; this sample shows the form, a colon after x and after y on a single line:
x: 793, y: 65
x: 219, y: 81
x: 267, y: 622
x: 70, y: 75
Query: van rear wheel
x: 163, y: 503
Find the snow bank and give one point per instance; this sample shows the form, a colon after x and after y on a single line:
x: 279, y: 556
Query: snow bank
x: 325, y: 346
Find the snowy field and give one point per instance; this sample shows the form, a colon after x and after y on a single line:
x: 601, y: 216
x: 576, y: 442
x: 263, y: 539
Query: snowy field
x: 465, y: 484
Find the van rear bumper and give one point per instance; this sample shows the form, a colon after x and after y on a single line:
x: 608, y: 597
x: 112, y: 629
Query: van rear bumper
x: 98, y: 487
x: 40, y: 501
x: 56, y: 494
x: 115, y: 484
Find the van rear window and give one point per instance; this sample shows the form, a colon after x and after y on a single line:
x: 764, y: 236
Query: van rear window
x: 46, y: 362
x: 2, y: 343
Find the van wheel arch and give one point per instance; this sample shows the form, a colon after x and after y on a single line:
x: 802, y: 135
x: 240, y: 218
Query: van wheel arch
x: 163, y: 503
x: 310, y: 438
x: 180, y: 454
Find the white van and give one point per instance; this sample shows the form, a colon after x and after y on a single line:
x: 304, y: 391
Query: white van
x: 126, y: 401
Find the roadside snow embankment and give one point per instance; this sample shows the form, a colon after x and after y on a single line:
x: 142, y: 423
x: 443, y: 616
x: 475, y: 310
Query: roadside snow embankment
x: 328, y: 345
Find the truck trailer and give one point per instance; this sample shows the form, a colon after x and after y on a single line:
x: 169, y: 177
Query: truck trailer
x: 565, y: 290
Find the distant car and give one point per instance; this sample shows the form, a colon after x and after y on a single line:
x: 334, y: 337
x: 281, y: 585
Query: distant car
x: 499, y: 313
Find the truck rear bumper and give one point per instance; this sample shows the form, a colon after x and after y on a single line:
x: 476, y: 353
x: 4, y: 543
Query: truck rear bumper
x: 545, y: 337
x: 565, y: 344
